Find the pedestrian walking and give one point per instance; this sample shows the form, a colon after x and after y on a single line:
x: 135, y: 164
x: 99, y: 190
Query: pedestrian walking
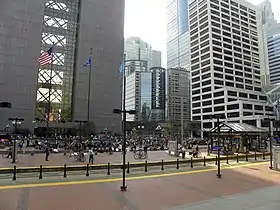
x: 47, y: 151
x: 91, y: 156
x: 23, y: 147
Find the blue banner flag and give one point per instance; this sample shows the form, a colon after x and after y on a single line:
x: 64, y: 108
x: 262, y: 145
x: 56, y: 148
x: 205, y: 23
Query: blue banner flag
x: 121, y: 66
x: 88, y: 63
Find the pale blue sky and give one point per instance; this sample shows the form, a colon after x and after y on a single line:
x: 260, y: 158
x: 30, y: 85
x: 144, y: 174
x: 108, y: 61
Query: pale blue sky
x: 147, y: 20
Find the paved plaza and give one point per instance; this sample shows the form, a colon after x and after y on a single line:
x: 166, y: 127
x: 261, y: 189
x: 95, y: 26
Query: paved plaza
x: 58, y: 159
x: 240, y: 188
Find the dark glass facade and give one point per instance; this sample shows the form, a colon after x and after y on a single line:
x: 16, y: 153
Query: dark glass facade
x: 273, y: 45
x: 183, y: 16
x: 158, y: 93
x: 145, y: 96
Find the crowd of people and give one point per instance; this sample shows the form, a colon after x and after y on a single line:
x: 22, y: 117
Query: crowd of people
x: 77, y: 147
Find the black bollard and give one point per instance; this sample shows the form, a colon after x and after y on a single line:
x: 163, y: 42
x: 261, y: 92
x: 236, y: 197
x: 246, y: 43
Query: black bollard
x: 108, y: 169
x: 191, y: 163
x: 255, y: 155
x: 263, y: 155
x: 15, y: 173
x: 41, y: 172
x: 65, y: 171
x: 204, y: 161
x: 87, y: 173
x: 227, y: 159
x: 128, y: 168
x: 177, y: 164
x: 216, y: 163
x: 246, y: 156
x: 162, y: 168
x: 146, y: 166
x: 237, y: 159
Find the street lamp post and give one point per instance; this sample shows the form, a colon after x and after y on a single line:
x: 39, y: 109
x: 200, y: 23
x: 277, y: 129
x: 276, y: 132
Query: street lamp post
x: 270, y: 145
x: 140, y: 129
x: 80, y: 130
x: 124, y: 112
x: 219, y: 175
x: 15, y: 122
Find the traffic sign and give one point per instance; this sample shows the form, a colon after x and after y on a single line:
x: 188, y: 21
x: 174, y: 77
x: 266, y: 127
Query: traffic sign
x: 215, y: 148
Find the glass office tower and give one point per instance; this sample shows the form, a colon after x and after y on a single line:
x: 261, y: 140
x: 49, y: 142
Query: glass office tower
x: 145, y: 95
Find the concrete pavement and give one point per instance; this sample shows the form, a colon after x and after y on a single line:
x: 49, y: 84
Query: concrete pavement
x: 101, y: 158
x: 261, y: 199
x: 194, y: 190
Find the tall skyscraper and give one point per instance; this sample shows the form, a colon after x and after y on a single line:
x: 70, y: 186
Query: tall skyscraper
x: 270, y: 31
x: 267, y: 28
x: 145, y: 91
x: 178, y: 62
x: 273, y: 46
x: 138, y: 96
x: 73, y: 26
x: 178, y: 44
x: 225, y: 62
x: 156, y: 59
x: 143, y: 81
x: 136, y: 49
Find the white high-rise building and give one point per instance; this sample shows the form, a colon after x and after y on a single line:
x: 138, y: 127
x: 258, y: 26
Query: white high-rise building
x: 225, y: 62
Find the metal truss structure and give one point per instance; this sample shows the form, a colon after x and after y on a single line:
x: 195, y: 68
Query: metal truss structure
x: 272, y: 93
x: 60, y: 29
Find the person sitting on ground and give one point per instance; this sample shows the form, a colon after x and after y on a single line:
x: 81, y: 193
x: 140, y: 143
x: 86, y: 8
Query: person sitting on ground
x: 195, y: 151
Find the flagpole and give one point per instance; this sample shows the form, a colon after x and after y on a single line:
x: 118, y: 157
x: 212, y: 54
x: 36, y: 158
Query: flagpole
x: 49, y: 98
x: 89, y: 93
x: 123, y: 187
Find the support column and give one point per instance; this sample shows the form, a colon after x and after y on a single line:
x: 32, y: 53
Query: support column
x: 259, y: 124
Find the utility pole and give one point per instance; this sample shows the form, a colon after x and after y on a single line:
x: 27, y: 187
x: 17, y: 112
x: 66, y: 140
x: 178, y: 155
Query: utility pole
x: 270, y: 144
x: 80, y: 131
x: 123, y: 111
x: 218, y: 117
x: 182, y: 119
x: 16, y: 122
x: 219, y: 149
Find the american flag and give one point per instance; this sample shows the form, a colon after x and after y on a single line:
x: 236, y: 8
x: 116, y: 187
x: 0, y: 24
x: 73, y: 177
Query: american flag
x: 46, y: 57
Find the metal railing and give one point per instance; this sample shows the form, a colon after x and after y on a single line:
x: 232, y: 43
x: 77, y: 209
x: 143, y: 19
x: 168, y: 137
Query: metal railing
x: 145, y: 165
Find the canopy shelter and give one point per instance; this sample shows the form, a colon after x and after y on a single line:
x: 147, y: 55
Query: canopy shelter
x: 238, y: 137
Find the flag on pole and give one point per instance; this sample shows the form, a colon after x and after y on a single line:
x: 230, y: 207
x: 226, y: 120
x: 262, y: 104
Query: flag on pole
x: 46, y: 57
x: 88, y: 63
